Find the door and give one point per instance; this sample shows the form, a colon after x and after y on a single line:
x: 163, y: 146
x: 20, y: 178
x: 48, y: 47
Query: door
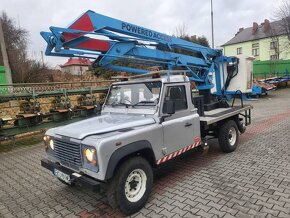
x: 179, y: 128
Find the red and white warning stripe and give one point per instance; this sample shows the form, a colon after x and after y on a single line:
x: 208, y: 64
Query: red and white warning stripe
x: 196, y: 143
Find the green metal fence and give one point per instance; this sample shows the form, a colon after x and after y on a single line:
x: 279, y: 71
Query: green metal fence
x: 2, y: 75
x: 267, y: 69
x: 22, y: 91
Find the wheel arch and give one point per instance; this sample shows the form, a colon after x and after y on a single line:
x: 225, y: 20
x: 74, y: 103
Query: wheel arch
x: 234, y: 118
x: 139, y: 148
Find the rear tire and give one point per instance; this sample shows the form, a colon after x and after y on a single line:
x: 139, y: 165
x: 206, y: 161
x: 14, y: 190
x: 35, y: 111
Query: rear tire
x: 129, y: 189
x: 228, y: 136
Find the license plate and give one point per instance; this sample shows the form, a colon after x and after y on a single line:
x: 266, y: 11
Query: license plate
x: 62, y: 176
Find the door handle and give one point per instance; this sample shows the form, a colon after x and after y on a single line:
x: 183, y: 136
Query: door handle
x: 188, y: 124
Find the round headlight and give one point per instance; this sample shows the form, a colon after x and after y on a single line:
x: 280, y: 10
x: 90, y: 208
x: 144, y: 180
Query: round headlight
x: 45, y: 138
x: 51, y: 144
x: 90, y: 154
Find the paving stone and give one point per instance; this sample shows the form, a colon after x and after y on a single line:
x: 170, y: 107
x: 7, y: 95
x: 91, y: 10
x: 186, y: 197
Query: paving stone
x: 202, y: 213
x: 157, y: 215
x: 214, y: 205
x: 7, y: 215
x: 145, y: 211
x: 281, y: 209
x: 265, y: 204
x: 269, y: 211
x: 228, y: 216
x: 168, y: 200
x: 138, y: 215
x: 229, y: 210
x: 240, y: 214
x: 284, y: 215
x: 167, y: 206
x: 179, y: 211
x: 203, y: 207
x: 179, y: 204
x: 216, y: 212
x: 167, y: 213
x: 155, y: 208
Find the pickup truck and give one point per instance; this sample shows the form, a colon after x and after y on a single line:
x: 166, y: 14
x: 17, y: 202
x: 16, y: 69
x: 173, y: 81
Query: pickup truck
x: 145, y: 122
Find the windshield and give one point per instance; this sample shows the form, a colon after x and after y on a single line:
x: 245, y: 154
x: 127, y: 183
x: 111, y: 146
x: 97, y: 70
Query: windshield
x: 133, y: 95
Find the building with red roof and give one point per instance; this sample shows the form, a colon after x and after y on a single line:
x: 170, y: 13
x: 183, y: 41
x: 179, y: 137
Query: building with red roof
x: 76, y: 66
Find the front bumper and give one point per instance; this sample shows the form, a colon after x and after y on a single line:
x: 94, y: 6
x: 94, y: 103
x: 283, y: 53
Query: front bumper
x: 78, y: 179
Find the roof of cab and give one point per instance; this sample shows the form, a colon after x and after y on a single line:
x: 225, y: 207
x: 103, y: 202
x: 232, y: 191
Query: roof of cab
x: 162, y: 78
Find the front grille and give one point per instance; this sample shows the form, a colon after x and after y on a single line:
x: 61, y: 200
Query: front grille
x: 68, y: 153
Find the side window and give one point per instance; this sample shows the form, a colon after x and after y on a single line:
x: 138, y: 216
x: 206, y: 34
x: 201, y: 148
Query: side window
x: 274, y: 45
x: 239, y: 51
x: 176, y: 94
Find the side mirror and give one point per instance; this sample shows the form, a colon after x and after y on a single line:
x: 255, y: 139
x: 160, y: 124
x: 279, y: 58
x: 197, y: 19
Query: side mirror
x: 170, y: 107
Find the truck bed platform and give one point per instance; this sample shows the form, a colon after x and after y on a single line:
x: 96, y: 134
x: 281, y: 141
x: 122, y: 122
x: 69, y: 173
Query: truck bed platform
x: 219, y: 114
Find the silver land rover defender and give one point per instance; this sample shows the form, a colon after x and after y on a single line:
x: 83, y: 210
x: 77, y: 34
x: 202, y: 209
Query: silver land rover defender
x: 144, y: 123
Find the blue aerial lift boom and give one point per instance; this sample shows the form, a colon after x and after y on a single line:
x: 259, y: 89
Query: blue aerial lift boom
x: 126, y: 41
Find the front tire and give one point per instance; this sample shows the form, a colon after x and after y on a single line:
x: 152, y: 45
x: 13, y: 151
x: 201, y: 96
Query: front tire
x: 129, y: 189
x: 228, y: 136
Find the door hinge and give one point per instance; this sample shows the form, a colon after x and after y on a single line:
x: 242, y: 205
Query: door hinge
x: 164, y: 151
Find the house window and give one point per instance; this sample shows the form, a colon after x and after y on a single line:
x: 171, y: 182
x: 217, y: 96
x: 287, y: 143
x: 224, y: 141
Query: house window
x: 255, y: 45
x: 273, y: 57
x: 239, y: 50
x: 255, y: 51
x: 274, y: 45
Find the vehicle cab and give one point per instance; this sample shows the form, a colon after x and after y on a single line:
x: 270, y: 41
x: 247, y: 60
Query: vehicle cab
x: 166, y: 99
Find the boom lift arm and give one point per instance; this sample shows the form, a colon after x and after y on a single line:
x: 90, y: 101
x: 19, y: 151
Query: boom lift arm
x: 84, y: 38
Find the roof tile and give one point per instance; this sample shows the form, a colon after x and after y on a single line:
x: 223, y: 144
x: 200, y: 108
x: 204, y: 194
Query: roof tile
x: 77, y: 61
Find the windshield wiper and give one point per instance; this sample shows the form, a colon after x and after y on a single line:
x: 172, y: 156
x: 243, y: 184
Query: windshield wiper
x: 132, y: 105
x: 143, y: 103
x: 121, y: 104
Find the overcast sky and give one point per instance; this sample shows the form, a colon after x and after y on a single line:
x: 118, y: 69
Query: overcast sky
x: 161, y: 15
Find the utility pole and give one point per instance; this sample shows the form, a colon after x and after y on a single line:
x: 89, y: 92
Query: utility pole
x: 5, y: 56
x: 212, y: 32
x: 42, y: 58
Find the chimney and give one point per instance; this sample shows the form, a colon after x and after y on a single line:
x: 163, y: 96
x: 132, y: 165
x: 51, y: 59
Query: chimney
x: 240, y: 30
x: 254, y: 28
x: 266, y: 25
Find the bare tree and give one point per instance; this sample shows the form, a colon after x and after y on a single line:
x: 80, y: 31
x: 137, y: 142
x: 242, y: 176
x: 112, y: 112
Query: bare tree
x: 283, y: 13
x: 275, y: 39
x: 181, y: 30
x: 280, y: 45
x: 15, y: 40
x: 23, y: 68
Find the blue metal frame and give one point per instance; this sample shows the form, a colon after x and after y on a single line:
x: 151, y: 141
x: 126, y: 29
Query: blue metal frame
x: 132, y: 42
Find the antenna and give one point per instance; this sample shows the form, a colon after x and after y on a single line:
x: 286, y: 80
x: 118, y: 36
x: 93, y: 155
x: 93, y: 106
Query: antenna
x: 42, y: 58
x: 212, y: 32
x: 18, y: 20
